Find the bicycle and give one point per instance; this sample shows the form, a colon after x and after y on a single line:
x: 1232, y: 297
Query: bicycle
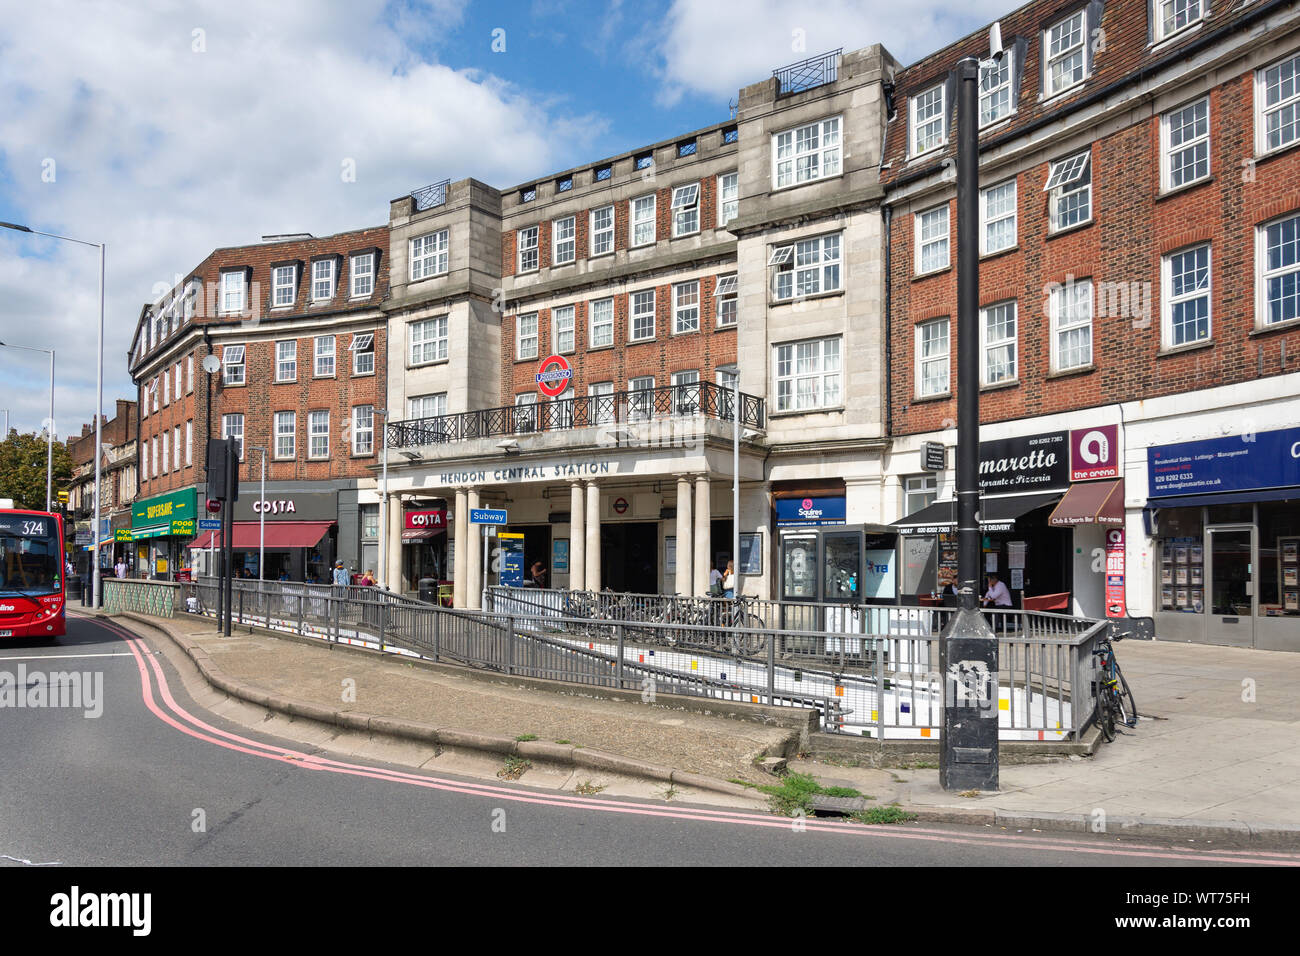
x: 1115, y: 702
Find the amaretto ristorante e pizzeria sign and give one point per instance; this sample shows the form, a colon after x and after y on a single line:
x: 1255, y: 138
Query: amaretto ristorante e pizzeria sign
x: 1027, y: 464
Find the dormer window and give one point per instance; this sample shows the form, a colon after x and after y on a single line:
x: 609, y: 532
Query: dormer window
x: 232, y: 291
x: 362, y: 275
x: 1065, y: 59
x: 284, y: 282
x: 995, y: 90
x: 322, y: 280
x: 1174, y: 16
x: 928, y: 116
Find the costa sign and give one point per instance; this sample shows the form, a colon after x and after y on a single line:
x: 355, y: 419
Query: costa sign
x: 422, y: 520
x: 553, y: 376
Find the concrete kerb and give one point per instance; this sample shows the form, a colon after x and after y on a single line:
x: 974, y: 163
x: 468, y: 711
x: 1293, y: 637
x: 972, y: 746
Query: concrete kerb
x: 427, y: 733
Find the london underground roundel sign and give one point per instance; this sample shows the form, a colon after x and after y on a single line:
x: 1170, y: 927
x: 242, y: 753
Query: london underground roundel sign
x: 553, y: 376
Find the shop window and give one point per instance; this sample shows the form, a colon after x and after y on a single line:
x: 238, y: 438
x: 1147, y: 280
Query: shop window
x: 1279, y: 559
x: 919, y: 491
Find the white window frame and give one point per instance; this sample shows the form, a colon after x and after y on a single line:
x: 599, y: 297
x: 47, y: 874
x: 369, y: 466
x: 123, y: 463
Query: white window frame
x: 642, y: 217
x: 316, y: 434
x: 562, y: 325
x: 281, y: 362
x: 726, y: 300
x: 686, y: 307
x: 1169, y: 299
x: 684, y: 403
x: 1264, y: 275
x: 1004, y: 72
x: 686, y: 210
x: 600, y: 331
x: 807, y: 153
x: 232, y: 357
x: 357, y: 276
x: 923, y: 487
x: 922, y: 243
x: 1056, y: 299
x: 284, y: 283
x: 154, y: 469
x: 189, y: 444
x: 363, y: 430
x: 990, y: 221
x: 229, y: 429
x: 602, y: 237
x: 363, y: 344
x: 429, y: 255
x: 1286, y: 107
x: 525, y: 414
x: 232, y: 289
x: 1065, y: 53
x: 564, y: 248
x: 640, y: 398
x: 1192, y: 144
x: 420, y: 347
x: 923, y: 361
x: 322, y: 280
x: 165, y: 458
x: 1066, y: 179
x: 283, y: 435
x: 324, y: 360
x: 641, y: 297
x: 167, y: 388
x: 176, y: 448
x: 528, y: 255
x: 728, y: 197
x: 533, y: 337
x: 826, y: 375
x: 189, y: 373
x: 433, y: 405
x: 813, y: 267
x: 1166, y: 25
x: 597, y: 414
x: 990, y: 345
x: 925, y: 100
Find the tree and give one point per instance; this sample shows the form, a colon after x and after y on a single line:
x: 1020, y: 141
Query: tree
x: 22, y: 469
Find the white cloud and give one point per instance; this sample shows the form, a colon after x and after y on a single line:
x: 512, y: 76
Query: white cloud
x: 165, y: 153
x: 716, y: 47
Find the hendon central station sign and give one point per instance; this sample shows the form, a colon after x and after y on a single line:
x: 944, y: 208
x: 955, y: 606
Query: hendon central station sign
x: 543, y: 472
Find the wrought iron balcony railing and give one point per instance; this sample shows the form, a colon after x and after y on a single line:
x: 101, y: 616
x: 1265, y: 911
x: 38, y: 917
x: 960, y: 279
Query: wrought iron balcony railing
x: 806, y: 74
x: 665, y: 405
x: 429, y: 196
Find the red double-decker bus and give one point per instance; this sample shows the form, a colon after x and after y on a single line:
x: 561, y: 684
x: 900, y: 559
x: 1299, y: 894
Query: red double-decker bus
x: 32, y: 596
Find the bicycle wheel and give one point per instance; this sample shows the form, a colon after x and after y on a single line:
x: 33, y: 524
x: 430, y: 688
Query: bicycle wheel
x: 1104, y: 716
x: 1127, y: 704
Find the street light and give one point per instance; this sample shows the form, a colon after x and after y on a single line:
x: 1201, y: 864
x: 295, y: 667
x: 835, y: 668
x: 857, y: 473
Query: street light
x: 261, y: 522
x: 99, y: 388
x: 49, y: 430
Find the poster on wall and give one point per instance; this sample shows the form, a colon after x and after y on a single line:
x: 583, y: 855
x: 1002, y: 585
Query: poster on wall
x: 878, y: 574
x: 1016, y: 551
x: 1017, y: 579
x: 1292, y: 601
x: 1116, y: 605
x: 751, y: 554
x: 560, y: 556
x: 512, y: 559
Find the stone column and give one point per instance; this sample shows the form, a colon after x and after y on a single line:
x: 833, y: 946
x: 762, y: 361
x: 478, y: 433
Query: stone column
x: 473, y: 555
x: 703, y: 560
x: 592, y: 557
x: 577, y: 537
x: 684, y: 582
x: 396, y: 521
x: 460, y: 576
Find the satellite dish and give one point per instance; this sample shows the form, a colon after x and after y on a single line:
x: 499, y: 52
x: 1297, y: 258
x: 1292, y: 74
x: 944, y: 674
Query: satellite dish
x: 211, y: 364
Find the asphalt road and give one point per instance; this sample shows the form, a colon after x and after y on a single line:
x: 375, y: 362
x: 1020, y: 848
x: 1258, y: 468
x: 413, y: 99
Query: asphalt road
x: 127, y: 787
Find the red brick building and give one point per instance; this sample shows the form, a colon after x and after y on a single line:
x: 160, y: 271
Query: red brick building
x: 294, y: 334
x: 1140, y: 198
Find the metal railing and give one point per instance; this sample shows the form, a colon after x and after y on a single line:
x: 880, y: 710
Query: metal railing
x: 628, y: 408
x: 882, y: 681
x: 806, y: 74
x: 427, y: 197
x: 155, y: 598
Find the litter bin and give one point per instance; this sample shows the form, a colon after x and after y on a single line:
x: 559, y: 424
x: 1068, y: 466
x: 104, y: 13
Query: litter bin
x: 428, y: 590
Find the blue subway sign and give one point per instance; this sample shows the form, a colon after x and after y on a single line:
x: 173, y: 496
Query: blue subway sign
x: 485, y: 516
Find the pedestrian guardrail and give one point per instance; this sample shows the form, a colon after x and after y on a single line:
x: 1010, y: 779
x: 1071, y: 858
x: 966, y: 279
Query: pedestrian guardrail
x: 155, y: 598
x: 882, y: 681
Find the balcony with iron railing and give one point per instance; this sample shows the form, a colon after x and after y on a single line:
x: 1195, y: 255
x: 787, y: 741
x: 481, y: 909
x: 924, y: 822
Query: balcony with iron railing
x: 428, y: 197
x: 618, y: 412
x: 807, y: 74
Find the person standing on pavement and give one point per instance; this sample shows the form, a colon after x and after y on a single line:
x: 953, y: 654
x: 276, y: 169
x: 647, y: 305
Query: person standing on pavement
x: 340, y: 574
x: 715, y: 581
x: 119, y: 569
x: 729, y: 580
x: 537, y: 574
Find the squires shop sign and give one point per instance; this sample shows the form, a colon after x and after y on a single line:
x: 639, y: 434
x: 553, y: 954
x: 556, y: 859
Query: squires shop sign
x: 1018, y: 465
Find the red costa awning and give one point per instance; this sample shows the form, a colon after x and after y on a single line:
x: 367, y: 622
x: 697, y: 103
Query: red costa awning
x: 279, y: 534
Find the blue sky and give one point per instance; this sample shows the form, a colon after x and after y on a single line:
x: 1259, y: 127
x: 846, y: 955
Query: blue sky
x: 166, y: 129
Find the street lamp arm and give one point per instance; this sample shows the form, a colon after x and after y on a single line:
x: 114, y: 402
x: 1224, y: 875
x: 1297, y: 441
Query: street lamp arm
x: 49, y: 235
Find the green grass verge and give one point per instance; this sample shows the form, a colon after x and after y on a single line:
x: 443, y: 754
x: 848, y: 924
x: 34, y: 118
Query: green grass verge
x: 797, y: 790
x: 875, y: 815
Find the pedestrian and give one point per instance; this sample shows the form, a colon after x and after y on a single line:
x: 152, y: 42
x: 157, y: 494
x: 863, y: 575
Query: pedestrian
x: 119, y: 569
x: 537, y: 574
x: 729, y: 580
x: 368, y: 579
x: 340, y: 573
x: 997, y: 593
x: 715, y: 581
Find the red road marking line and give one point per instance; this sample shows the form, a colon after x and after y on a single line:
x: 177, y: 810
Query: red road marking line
x: 254, y: 748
